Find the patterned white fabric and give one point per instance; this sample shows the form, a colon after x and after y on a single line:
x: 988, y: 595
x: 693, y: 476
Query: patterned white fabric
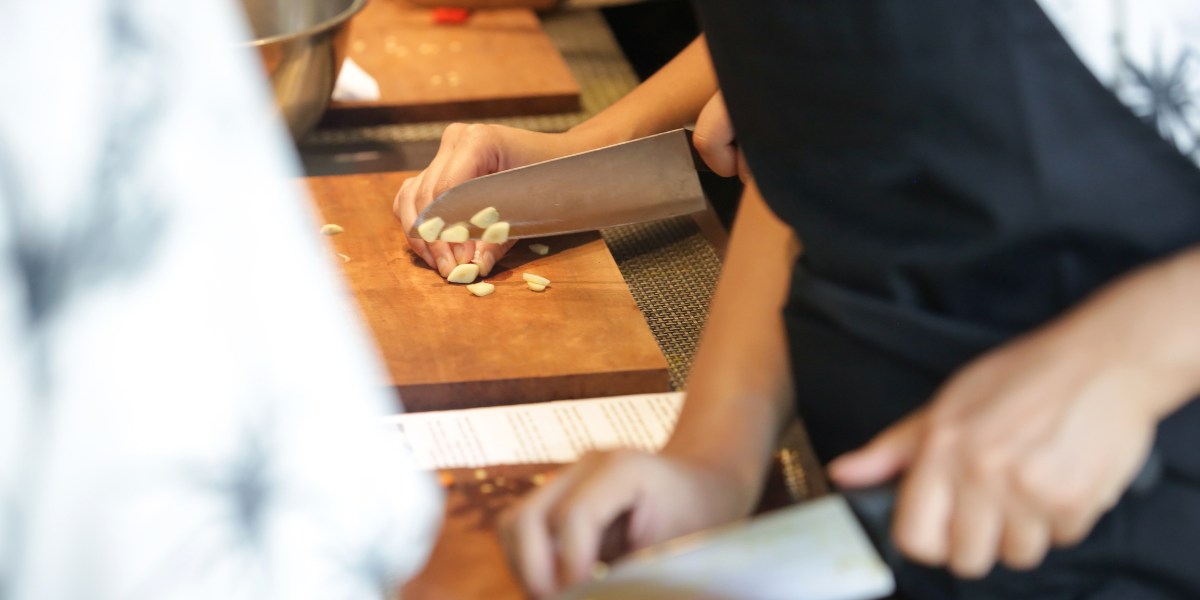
x: 1147, y: 52
x: 187, y: 400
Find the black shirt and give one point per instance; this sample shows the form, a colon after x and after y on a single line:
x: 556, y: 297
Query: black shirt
x: 957, y: 177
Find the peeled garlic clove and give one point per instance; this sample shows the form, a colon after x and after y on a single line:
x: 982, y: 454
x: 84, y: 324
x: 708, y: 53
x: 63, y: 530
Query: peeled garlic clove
x: 485, y: 217
x: 464, y: 273
x: 496, y: 233
x: 531, y: 278
x: 539, y: 249
x: 456, y: 234
x: 430, y: 229
x: 481, y: 289
x: 537, y: 287
x: 331, y: 229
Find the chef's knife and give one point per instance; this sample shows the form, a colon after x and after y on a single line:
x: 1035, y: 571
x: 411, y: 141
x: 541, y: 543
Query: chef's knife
x: 813, y: 551
x: 824, y: 549
x: 642, y: 180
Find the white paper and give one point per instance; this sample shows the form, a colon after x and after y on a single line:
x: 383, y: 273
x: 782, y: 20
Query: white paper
x: 549, y: 432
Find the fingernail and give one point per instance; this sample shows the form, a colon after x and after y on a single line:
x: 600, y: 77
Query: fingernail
x: 835, y: 467
x: 486, y: 261
x: 428, y: 258
x: 838, y: 466
x: 445, y: 265
x: 460, y: 254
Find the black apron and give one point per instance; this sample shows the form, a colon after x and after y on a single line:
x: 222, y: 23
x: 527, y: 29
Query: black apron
x: 957, y: 177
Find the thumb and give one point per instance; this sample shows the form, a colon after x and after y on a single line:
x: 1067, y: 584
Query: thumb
x: 714, y: 137
x: 883, y: 458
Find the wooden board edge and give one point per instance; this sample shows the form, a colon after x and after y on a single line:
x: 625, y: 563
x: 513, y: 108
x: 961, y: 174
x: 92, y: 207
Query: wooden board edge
x: 477, y: 394
x: 361, y: 114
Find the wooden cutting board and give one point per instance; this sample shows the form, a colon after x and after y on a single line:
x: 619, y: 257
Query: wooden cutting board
x: 445, y: 348
x: 498, y: 63
x: 468, y: 542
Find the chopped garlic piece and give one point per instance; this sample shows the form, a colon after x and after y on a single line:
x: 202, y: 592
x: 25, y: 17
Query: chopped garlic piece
x: 464, y: 273
x: 539, y: 249
x: 538, y: 279
x: 496, y: 233
x: 537, y: 287
x: 345, y: 258
x: 430, y: 229
x: 485, y: 217
x: 331, y: 229
x: 481, y: 289
x: 456, y: 234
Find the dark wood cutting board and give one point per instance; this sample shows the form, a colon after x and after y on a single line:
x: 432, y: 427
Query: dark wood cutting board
x: 499, y: 62
x: 445, y: 348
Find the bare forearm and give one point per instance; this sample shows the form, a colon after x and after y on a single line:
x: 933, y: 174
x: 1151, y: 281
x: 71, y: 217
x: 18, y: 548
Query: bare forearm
x: 740, y: 390
x: 670, y: 99
x: 1147, y: 320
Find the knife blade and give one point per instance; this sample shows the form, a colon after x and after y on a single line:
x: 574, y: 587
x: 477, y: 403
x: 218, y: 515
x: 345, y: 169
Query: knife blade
x: 837, y: 547
x: 641, y: 180
x: 813, y: 551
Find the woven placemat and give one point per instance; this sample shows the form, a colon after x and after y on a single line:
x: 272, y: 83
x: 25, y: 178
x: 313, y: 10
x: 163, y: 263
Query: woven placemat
x: 671, y: 269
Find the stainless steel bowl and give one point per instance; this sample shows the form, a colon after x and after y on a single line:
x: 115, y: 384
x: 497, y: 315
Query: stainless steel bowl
x: 303, y: 43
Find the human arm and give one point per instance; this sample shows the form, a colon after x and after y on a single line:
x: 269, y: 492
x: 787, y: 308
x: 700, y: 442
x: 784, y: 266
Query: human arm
x: 1026, y: 447
x: 740, y: 387
x: 671, y: 98
x: 712, y: 469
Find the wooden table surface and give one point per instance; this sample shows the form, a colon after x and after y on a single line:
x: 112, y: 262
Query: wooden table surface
x: 445, y: 348
x: 499, y: 62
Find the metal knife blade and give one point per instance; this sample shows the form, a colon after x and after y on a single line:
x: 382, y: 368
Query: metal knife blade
x: 642, y: 180
x: 813, y: 551
x: 824, y: 549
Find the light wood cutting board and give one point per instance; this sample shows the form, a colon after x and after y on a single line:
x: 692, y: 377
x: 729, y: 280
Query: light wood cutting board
x: 498, y: 63
x: 445, y: 348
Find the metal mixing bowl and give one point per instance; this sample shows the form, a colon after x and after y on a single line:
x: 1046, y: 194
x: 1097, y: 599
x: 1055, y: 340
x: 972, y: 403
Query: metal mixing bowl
x: 303, y: 43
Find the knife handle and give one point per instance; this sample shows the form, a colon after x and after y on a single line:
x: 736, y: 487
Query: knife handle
x: 874, y: 506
